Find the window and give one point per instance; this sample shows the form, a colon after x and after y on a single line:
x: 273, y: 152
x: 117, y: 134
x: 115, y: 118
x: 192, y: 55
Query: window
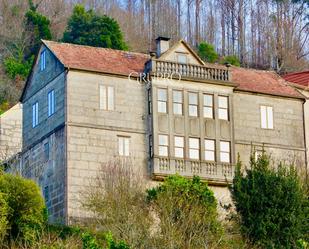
x: 209, y: 150
x: 179, y: 147
x: 43, y: 60
x: 224, y: 152
x: 223, y: 108
x: 194, y: 148
x: 267, y: 117
x: 150, y: 146
x: 182, y: 58
x: 123, y: 146
x: 163, y: 145
x: 107, y: 98
x: 149, y: 101
x: 177, y: 102
x: 208, y: 108
x: 51, y: 103
x: 162, y: 100
x: 35, y: 114
x: 46, y: 151
x: 193, y: 104
x: 46, y: 193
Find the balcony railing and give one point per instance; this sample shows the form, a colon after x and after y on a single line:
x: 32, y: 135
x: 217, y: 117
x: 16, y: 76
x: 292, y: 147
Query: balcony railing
x: 190, y: 70
x: 211, y: 171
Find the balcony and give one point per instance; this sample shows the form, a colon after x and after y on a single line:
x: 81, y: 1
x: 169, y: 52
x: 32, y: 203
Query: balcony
x: 190, y: 71
x: 216, y: 173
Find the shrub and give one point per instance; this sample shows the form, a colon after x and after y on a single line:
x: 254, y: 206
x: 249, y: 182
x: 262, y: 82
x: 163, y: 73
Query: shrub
x: 4, y: 211
x: 207, y: 52
x: 231, y: 59
x: 187, y: 210
x: 272, y: 204
x: 27, y: 213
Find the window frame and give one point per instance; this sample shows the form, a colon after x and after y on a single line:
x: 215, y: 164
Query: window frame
x: 209, y: 150
x: 43, y: 60
x: 194, y: 149
x: 177, y: 102
x: 166, y: 146
x: 51, y: 102
x: 268, y: 125
x: 104, y: 97
x: 224, y: 108
x: 225, y: 152
x: 209, y: 106
x: 35, y: 114
x: 159, y: 101
x: 184, y: 55
x: 193, y: 105
x: 123, y: 147
x: 176, y: 146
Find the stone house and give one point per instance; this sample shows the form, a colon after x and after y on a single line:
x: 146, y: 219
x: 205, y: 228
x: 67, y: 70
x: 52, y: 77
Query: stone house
x: 169, y: 112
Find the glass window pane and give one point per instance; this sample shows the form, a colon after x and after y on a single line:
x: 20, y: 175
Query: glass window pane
x: 270, y: 117
x: 194, y: 154
x: 263, y: 117
x: 163, y: 140
x: 193, y: 98
x: 209, y: 144
x: 177, y: 96
x: 163, y: 151
x: 224, y: 146
x: 161, y: 107
x: 194, y: 143
x: 179, y: 152
x: 208, y: 100
x: 193, y: 110
x: 110, y: 98
x: 126, y: 147
x: 162, y: 94
x: 182, y: 58
x: 208, y: 112
x: 223, y: 102
x: 224, y: 157
x: 120, y: 146
x: 210, y: 155
x: 177, y: 108
x: 223, y: 114
x: 179, y: 141
x: 103, y: 98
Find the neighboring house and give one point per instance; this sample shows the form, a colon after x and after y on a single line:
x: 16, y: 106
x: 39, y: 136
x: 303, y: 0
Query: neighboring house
x: 10, y: 134
x: 85, y: 106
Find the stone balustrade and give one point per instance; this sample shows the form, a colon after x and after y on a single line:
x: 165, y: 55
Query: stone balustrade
x: 211, y: 171
x: 190, y: 71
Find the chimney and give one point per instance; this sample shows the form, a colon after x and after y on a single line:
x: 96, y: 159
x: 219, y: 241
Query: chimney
x: 163, y: 45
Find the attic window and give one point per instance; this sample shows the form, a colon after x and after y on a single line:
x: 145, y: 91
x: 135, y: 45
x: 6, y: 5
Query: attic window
x: 182, y: 58
x: 43, y: 60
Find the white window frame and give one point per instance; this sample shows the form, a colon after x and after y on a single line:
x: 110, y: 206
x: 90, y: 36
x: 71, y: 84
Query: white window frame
x: 123, y: 146
x: 267, y: 117
x: 51, y: 102
x: 210, y: 150
x: 43, y: 60
x: 193, y: 149
x: 177, y: 103
x: 207, y: 106
x: 163, y: 145
x: 179, y: 146
x: 162, y: 102
x: 107, y: 97
x: 35, y: 114
x: 193, y: 106
x: 225, y: 152
x: 223, y: 111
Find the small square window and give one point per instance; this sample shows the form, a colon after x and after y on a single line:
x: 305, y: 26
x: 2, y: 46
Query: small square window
x: 182, y: 58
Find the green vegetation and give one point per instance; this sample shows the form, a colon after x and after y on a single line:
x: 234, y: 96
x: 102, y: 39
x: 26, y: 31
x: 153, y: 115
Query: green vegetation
x: 207, y: 52
x: 231, y: 59
x: 89, y: 28
x: 272, y: 204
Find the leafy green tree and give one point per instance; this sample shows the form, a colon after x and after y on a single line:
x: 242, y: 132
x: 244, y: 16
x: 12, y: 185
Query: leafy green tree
x: 4, y: 211
x: 273, y: 207
x: 27, y: 213
x: 187, y: 210
x: 88, y: 28
x: 207, y: 52
x: 231, y: 59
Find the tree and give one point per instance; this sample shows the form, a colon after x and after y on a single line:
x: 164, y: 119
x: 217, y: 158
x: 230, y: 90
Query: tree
x: 207, y: 52
x: 231, y: 59
x: 272, y: 204
x: 187, y: 210
x: 87, y: 28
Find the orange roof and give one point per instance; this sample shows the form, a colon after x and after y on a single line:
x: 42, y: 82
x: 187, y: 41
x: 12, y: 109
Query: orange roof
x: 301, y: 78
x: 261, y: 81
x: 122, y: 62
x: 97, y: 59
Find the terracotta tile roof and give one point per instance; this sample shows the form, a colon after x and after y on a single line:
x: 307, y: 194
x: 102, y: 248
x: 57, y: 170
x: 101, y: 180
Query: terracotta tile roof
x: 98, y: 59
x: 301, y: 78
x: 261, y: 81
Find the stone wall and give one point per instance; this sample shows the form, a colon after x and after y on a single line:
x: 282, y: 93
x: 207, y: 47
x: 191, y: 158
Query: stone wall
x: 10, y: 132
x: 285, y: 142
